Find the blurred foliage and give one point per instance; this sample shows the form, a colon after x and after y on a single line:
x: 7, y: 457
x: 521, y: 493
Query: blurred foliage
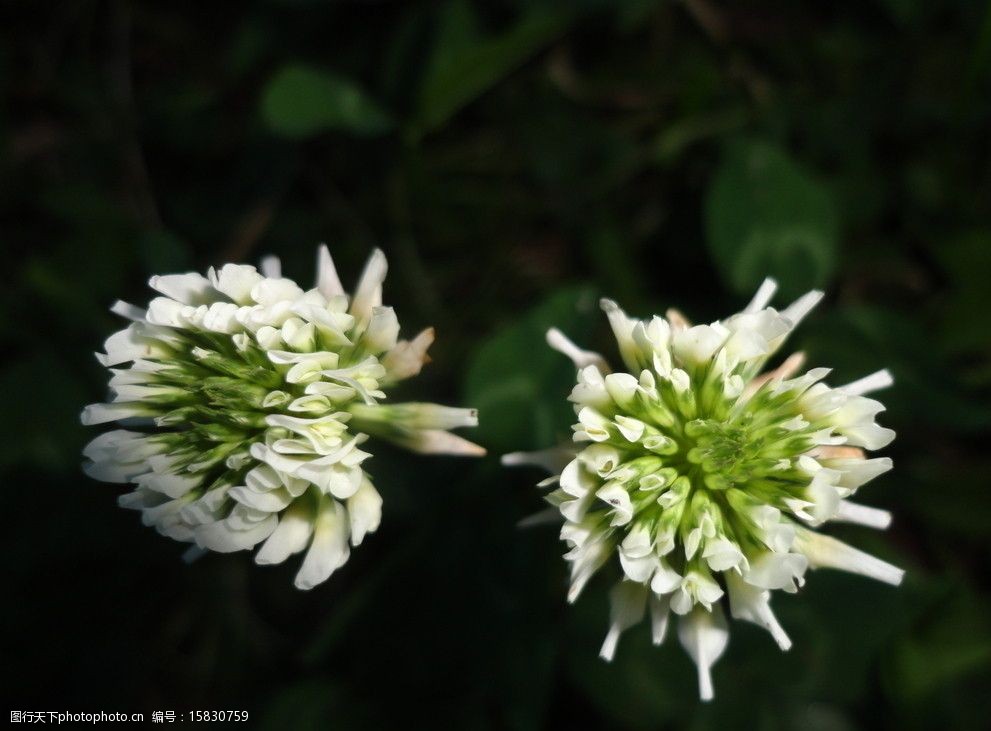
x: 766, y: 217
x: 516, y: 159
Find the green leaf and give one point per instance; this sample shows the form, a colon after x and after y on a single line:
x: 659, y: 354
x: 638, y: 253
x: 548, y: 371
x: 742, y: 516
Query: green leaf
x: 300, y: 101
x: 519, y: 384
x: 462, y: 71
x: 765, y: 215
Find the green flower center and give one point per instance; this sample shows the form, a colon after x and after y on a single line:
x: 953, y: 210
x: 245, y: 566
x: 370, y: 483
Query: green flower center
x: 696, y: 459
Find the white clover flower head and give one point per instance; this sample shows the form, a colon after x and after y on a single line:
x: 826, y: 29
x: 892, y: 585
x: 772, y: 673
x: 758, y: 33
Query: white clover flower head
x: 706, y: 477
x: 247, y: 402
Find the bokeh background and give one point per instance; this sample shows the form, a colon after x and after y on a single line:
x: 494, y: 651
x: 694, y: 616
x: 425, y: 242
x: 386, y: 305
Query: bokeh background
x: 516, y: 160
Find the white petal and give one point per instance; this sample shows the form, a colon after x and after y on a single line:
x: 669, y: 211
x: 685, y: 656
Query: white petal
x: 328, y: 283
x: 209, y: 508
x: 244, y: 518
x: 271, y: 292
x: 797, y: 310
x: 638, y: 568
x: 704, y: 635
x: 271, y: 266
x: 435, y: 441
x: 364, y: 511
x: 368, y: 293
x: 827, y: 552
x: 102, y: 413
x: 659, y: 612
x: 639, y: 542
x: 622, y: 327
x: 329, y: 548
x: 722, y: 554
x: 585, y: 561
x: 221, y: 537
x: 751, y: 604
x: 269, y: 502
x: 697, y: 344
x: 407, y: 358
x: 602, y: 459
x: 112, y: 470
x: 615, y: 495
x: 127, y: 344
x: 665, y: 580
x: 856, y: 472
x: 627, y: 603
x: 383, y: 330
x: 581, y: 358
x: 867, y: 384
x: 622, y: 388
x: 574, y: 510
x: 763, y: 296
x: 169, y: 484
x: 848, y: 512
x: 191, y: 288
x: 340, y: 480
x: 868, y: 435
x: 418, y: 415
x: 596, y: 426
x: 221, y: 317
x: 118, y: 455
x: 263, y: 478
x: 235, y: 281
x: 576, y: 480
x: 126, y: 309
x: 167, y: 312
x: 552, y: 460
x: 823, y: 495
x: 141, y: 499
x: 776, y: 570
x: 631, y: 429
x: 291, y: 536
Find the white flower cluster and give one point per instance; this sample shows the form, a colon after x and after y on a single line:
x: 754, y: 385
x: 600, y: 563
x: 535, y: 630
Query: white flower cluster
x: 706, y: 477
x: 248, y: 401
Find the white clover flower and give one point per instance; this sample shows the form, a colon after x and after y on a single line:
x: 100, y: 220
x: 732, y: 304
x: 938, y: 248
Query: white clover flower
x: 248, y: 401
x: 707, y: 478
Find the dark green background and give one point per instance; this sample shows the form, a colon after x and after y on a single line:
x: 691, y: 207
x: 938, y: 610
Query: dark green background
x: 515, y: 160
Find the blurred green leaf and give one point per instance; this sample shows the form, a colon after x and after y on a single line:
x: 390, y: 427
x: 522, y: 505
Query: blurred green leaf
x: 966, y: 260
x: 962, y: 510
x: 576, y: 155
x: 46, y: 433
x: 891, y: 339
x: 953, y: 641
x: 679, y: 136
x: 765, y: 215
x: 463, y: 70
x: 306, y: 706
x: 163, y: 251
x: 300, y: 101
x: 519, y: 385
x: 645, y: 687
x: 457, y: 32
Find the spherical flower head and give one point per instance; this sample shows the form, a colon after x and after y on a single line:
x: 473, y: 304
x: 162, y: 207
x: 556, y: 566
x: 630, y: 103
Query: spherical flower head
x: 706, y: 478
x: 248, y: 403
